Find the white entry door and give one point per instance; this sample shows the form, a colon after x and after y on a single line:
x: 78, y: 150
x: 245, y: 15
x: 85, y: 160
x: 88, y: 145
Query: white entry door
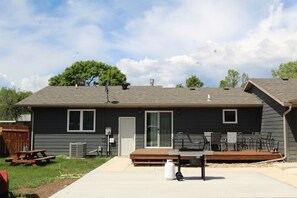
x: 127, y: 135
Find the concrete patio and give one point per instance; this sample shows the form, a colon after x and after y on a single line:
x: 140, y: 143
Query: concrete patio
x: 118, y: 178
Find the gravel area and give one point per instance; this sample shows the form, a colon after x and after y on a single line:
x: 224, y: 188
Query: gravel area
x: 239, y: 165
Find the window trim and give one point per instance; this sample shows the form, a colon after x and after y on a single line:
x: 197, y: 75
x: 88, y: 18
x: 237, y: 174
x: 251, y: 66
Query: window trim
x: 230, y: 122
x: 81, y: 120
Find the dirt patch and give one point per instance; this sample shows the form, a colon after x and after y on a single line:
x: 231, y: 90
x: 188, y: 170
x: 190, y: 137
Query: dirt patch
x: 43, y: 191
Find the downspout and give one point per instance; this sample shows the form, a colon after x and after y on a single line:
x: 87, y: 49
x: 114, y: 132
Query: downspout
x: 285, y: 138
x: 32, y: 130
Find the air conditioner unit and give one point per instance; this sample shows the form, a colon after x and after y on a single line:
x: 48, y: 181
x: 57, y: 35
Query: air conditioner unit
x: 77, y: 149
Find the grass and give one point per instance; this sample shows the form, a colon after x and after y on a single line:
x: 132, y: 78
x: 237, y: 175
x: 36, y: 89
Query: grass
x: 27, y: 176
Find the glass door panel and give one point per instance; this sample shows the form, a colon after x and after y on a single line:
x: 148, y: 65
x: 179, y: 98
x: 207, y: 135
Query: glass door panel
x: 165, y: 129
x: 152, y: 129
x: 158, y: 129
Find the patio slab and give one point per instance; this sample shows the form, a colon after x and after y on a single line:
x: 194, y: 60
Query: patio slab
x: 118, y: 178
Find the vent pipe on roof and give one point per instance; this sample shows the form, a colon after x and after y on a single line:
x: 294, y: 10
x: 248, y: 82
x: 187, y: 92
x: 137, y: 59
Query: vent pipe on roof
x: 75, y: 86
x: 208, y: 98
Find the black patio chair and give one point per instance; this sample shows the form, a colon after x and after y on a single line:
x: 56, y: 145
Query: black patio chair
x: 266, y: 141
x: 216, y: 141
x: 195, y: 144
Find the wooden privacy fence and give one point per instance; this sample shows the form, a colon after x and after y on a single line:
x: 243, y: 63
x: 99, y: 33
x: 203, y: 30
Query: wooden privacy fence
x: 13, y: 138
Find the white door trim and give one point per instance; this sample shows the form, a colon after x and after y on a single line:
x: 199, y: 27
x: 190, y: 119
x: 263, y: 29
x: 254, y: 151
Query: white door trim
x: 145, y: 124
x: 134, y: 138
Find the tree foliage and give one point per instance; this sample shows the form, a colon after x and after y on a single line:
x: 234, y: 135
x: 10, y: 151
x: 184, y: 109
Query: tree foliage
x: 8, y: 99
x: 193, y: 81
x: 180, y: 85
x: 86, y: 73
x: 287, y: 70
x: 233, y: 78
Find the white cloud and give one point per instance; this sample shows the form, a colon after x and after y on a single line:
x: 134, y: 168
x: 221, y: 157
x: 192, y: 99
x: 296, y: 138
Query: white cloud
x: 34, y: 83
x: 271, y: 42
x: 176, y: 30
x: 5, y: 82
x: 34, y: 43
x: 165, y: 41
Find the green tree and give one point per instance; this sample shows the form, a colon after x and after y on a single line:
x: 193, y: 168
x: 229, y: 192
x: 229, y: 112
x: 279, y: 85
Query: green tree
x: 86, y: 73
x: 244, y: 79
x: 180, y: 85
x: 231, y: 80
x: 112, y: 75
x: 286, y: 70
x: 8, y: 99
x: 193, y: 81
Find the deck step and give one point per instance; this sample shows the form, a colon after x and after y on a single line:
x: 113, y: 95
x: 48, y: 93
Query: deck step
x: 159, y: 156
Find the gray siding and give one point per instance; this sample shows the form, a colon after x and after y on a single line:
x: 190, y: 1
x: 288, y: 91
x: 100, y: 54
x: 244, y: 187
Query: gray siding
x: 272, y: 120
x: 50, y: 129
x: 292, y: 136
x: 50, y: 125
x: 199, y: 120
x: 59, y: 143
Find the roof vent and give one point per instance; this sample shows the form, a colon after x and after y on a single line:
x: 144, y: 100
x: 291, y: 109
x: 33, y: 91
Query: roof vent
x: 286, y: 79
x: 226, y: 88
x: 125, y: 86
x: 208, y: 98
x: 192, y: 88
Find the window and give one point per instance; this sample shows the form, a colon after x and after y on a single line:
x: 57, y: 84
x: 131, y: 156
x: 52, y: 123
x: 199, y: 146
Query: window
x: 230, y: 116
x: 81, y: 120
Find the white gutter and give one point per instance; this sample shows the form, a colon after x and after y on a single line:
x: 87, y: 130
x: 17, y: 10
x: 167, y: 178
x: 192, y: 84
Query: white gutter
x: 32, y: 130
x: 285, y: 138
x: 286, y: 131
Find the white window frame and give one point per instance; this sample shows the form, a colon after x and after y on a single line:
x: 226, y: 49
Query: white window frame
x: 230, y: 122
x: 81, y: 120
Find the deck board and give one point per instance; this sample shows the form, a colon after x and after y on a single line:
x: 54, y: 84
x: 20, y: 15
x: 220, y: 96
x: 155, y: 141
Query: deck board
x: 159, y: 156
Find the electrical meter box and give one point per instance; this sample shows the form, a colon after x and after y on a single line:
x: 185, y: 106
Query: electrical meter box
x: 111, y: 140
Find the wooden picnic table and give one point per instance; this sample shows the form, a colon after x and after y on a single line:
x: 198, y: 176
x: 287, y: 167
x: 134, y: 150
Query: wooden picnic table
x: 33, y: 157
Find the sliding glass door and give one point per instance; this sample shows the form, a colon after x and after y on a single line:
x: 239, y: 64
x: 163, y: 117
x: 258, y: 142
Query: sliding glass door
x: 158, y: 129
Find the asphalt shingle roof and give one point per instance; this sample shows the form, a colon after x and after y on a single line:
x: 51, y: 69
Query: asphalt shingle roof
x: 139, y: 96
x: 283, y: 91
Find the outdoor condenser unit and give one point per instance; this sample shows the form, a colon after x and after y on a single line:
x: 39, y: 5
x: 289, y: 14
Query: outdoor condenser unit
x: 77, y: 149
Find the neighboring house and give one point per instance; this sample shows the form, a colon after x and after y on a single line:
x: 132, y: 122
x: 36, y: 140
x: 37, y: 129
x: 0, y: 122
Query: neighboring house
x: 279, y: 114
x: 139, y: 116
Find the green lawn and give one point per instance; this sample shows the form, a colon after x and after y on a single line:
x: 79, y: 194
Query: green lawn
x: 27, y: 176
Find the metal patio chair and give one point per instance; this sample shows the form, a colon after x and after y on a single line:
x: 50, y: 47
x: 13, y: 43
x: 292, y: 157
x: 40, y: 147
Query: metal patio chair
x: 195, y: 144
x: 267, y: 141
x: 216, y: 140
x: 231, y: 139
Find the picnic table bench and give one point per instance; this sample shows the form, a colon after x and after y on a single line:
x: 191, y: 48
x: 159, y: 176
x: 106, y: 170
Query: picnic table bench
x: 33, y: 157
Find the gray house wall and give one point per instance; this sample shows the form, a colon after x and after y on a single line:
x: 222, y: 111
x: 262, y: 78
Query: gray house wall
x: 50, y: 129
x: 292, y: 135
x: 50, y: 126
x: 200, y: 120
x: 272, y: 120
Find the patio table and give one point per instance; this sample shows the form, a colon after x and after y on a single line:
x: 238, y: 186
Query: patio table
x: 197, y: 154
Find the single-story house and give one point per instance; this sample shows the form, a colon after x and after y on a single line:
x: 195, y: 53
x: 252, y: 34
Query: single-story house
x: 149, y: 116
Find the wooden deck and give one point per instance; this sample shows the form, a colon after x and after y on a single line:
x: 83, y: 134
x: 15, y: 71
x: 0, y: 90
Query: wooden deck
x: 159, y: 156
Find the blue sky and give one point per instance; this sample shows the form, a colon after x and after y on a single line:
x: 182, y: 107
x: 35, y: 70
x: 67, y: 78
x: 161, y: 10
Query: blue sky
x: 167, y: 40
